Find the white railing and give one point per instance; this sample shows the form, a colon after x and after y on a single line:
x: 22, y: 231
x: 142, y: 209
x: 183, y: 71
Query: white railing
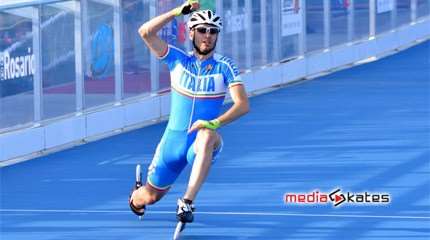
x: 99, y: 79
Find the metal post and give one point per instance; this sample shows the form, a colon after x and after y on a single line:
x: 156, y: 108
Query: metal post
x: 154, y: 63
x: 276, y: 16
x: 235, y: 32
x: 263, y: 32
x: 79, y: 57
x: 37, y: 77
x: 118, y: 50
x: 302, y: 35
x: 372, y: 19
x: 414, y: 5
x: 394, y: 16
x: 219, y: 11
x: 86, y: 43
x: 327, y: 27
x: 248, y: 33
x: 351, y: 21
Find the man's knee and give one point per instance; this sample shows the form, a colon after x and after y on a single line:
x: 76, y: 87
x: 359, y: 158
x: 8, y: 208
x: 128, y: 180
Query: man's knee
x: 207, y: 137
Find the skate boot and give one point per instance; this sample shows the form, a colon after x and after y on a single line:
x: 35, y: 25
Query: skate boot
x: 184, y: 211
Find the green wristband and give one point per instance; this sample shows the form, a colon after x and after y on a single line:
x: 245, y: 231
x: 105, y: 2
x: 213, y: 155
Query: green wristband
x: 177, y: 11
x: 213, y: 124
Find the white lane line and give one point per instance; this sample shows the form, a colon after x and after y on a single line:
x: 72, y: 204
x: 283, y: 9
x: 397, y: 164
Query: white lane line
x: 217, y: 213
x: 125, y: 156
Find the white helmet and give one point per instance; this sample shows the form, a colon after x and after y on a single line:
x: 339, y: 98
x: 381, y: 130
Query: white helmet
x: 204, y: 16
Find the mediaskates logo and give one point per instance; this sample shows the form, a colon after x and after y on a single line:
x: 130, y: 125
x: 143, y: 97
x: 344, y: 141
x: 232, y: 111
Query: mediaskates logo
x: 337, y: 198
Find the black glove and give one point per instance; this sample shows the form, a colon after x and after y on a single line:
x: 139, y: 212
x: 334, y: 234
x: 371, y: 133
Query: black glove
x: 188, y: 7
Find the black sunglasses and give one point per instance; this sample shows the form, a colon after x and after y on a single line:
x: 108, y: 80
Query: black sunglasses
x: 204, y: 30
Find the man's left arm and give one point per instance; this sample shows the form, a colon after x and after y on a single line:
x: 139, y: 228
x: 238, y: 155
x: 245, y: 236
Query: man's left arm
x: 239, y: 108
x: 240, y: 105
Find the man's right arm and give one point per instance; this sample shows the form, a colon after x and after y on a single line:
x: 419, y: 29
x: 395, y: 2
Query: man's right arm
x: 148, y: 31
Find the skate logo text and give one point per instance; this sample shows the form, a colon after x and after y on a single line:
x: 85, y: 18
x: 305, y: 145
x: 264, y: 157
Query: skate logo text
x: 337, y: 198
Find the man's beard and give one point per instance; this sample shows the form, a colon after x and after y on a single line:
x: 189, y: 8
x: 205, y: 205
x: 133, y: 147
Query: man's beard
x: 206, y: 52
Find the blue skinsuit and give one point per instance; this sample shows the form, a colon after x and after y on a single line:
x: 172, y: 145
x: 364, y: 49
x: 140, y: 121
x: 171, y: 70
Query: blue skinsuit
x: 198, y: 90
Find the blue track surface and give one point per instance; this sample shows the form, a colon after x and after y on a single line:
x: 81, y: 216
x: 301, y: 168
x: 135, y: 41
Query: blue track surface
x: 361, y: 129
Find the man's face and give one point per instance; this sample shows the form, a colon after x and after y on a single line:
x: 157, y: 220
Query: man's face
x: 204, y: 37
